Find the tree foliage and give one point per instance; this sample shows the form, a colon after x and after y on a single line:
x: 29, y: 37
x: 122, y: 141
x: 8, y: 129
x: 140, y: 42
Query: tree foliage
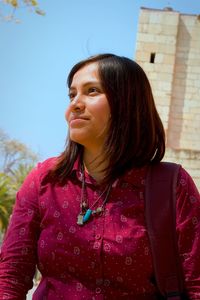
x: 16, y: 161
x: 6, y: 201
x: 14, y: 153
x: 8, y: 8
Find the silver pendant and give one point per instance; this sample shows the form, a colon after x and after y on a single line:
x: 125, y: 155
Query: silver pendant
x: 99, y: 210
x: 80, y: 219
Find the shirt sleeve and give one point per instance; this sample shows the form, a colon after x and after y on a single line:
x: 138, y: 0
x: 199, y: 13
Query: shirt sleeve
x: 19, y: 250
x: 188, y: 228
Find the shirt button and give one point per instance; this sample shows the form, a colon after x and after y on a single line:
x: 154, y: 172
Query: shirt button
x: 97, y: 237
x: 98, y: 290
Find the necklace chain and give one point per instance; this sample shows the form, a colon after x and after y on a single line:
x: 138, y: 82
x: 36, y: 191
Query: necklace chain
x: 86, y: 211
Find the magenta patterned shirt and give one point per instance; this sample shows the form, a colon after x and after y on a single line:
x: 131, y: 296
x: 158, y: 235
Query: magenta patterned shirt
x: 107, y: 258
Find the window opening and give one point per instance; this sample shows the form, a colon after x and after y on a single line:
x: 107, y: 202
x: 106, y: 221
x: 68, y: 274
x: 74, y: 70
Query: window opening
x: 152, y: 58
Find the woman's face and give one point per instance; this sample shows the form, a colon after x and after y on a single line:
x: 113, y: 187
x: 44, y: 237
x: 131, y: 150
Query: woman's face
x: 88, y: 113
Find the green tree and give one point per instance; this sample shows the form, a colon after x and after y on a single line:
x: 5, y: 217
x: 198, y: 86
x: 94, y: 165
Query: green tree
x: 13, y: 154
x: 6, y: 201
x: 16, y: 161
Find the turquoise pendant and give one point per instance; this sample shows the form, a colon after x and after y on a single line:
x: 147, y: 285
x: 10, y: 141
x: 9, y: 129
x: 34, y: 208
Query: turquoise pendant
x: 87, y: 215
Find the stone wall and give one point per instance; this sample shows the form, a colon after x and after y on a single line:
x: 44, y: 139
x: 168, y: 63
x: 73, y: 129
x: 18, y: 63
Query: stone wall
x: 189, y: 159
x: 168, y: 49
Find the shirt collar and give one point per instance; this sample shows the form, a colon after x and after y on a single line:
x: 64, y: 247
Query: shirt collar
x: 135, y: 176
x: 76, y: 171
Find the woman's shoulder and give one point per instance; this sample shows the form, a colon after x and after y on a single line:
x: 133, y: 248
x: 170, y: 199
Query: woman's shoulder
x: 185, y: 181
x: 188, y: 197
x: 47, y: 164
x: 42, y: 168
x: 39, y: 172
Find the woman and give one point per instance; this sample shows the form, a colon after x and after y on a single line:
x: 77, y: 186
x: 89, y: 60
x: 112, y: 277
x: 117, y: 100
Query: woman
x: 80, y: 217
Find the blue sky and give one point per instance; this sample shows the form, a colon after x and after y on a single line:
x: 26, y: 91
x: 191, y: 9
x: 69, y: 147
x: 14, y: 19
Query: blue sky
x: 37, y: 54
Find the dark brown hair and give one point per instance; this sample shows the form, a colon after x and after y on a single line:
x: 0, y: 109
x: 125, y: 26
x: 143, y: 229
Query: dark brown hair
x: 136, y: 135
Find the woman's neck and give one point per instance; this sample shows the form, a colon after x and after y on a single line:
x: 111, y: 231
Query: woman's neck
x: 94, y: 164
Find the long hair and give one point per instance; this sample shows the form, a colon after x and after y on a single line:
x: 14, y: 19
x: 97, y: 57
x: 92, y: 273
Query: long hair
x: 136, y: 135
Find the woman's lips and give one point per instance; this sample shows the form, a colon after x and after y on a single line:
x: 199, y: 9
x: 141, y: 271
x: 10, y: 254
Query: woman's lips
x: 78, y: 121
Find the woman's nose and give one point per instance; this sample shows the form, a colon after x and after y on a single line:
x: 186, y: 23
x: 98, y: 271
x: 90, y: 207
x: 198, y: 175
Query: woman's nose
x: 77, y: 103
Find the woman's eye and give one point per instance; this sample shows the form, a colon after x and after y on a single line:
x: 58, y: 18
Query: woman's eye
x: 93, y: 90
x: 71, y: 96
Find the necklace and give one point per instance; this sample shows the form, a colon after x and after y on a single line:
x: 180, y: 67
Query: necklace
x: 86, y: 212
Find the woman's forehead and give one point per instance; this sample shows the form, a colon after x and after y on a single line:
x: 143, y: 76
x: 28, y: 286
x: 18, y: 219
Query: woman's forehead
x: 87, y: 74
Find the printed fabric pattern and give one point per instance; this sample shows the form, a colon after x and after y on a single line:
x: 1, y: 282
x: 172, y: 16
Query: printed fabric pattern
x: 107, y: 258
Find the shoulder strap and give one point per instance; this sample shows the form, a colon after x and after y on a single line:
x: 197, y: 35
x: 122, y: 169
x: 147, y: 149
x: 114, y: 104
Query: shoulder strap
x: 160, y: 210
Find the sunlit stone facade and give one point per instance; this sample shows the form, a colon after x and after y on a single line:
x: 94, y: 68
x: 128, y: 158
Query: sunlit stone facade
x: 168, y: 48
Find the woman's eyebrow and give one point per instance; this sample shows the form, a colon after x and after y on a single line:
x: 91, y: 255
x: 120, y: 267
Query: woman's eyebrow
x: 95, y: 82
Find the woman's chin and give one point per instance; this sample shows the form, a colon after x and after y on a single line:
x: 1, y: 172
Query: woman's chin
x: 77, y: 138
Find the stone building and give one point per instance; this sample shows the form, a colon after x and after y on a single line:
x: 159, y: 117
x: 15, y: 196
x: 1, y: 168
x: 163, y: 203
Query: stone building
x: 168, y: 49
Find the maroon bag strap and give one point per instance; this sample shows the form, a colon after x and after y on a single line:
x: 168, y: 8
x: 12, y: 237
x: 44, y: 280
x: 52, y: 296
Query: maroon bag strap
x: 160, y: 212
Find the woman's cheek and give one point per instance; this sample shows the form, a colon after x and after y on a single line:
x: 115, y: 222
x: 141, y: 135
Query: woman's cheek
x: 67, y: 112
